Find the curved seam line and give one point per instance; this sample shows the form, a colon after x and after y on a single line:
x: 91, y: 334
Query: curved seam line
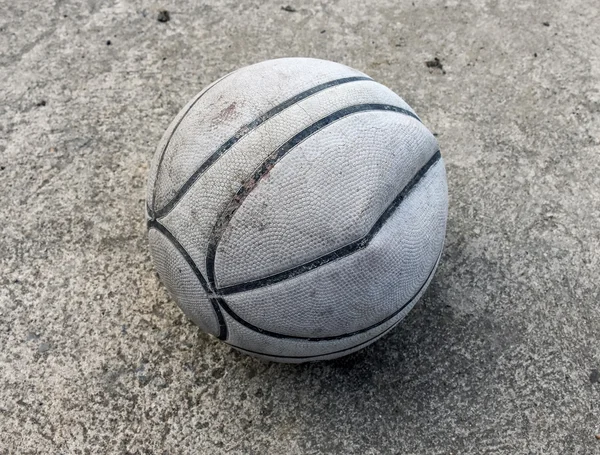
x: 341, y: 252
x: 335, y: 337
x: 246, y: 129
x: 150, y: 208
x: 214, y: 301
x: 318, y: 355
x: 275, y: 157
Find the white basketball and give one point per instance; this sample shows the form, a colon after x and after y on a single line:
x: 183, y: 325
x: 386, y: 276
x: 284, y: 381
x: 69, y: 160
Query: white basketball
x: 297, y: 209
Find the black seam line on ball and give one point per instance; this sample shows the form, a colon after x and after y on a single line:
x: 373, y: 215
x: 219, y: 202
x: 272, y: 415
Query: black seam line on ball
x: 245, y: 130
x: 340, y: 252
x: 266, y: 166
x: 214, y: 301
x: 150, y: 206
x: 245, y: 323
x: 362, y: 343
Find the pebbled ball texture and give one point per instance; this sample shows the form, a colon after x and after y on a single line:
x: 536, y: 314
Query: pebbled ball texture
x: 297, y: 209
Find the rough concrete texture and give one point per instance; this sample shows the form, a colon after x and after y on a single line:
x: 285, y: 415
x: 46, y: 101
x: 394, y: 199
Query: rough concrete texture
x: 501, y: 356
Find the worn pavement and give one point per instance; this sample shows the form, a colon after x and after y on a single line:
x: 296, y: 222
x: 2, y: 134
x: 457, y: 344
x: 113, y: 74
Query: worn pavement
x: 502, y: 355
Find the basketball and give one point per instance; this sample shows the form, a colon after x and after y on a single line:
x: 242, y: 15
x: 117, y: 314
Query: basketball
x: 297, y: 209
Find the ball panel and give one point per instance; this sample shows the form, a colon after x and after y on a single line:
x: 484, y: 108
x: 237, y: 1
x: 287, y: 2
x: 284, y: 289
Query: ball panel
x: 233, y: 103
x: 326, y: 193
x: 293, y: 350
x: 314, y: 358
x: 181, y: 282
x: 364, y: 287
x: 193, y: 218
x: 164, y: 141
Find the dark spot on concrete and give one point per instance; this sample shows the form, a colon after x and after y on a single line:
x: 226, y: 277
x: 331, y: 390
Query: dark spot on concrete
x: 243, y: 396
x: 246, y: 424
x: 108, y: 43
x: 65, y: 15
x: 44, y: 347
x: 322, y: 31
x: 435, y: 134
x: 289, y: 9
x: 267, y: 409
x: 251, y: 372
x: 163, y: 16
x: 218, y: 373
x: 535, y: 54
x: 435, y: 63
x: 595, y: 376
x: 2, y: 168
x: 16, y: 280
x: 259, y: 393
x: 41, y: 103
x: 546, y: 24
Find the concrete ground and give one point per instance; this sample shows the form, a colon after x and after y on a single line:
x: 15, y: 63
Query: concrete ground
x: 502, y: 355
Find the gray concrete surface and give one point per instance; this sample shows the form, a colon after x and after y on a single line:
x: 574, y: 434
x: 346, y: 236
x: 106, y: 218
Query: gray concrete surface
x: 501, y: 356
